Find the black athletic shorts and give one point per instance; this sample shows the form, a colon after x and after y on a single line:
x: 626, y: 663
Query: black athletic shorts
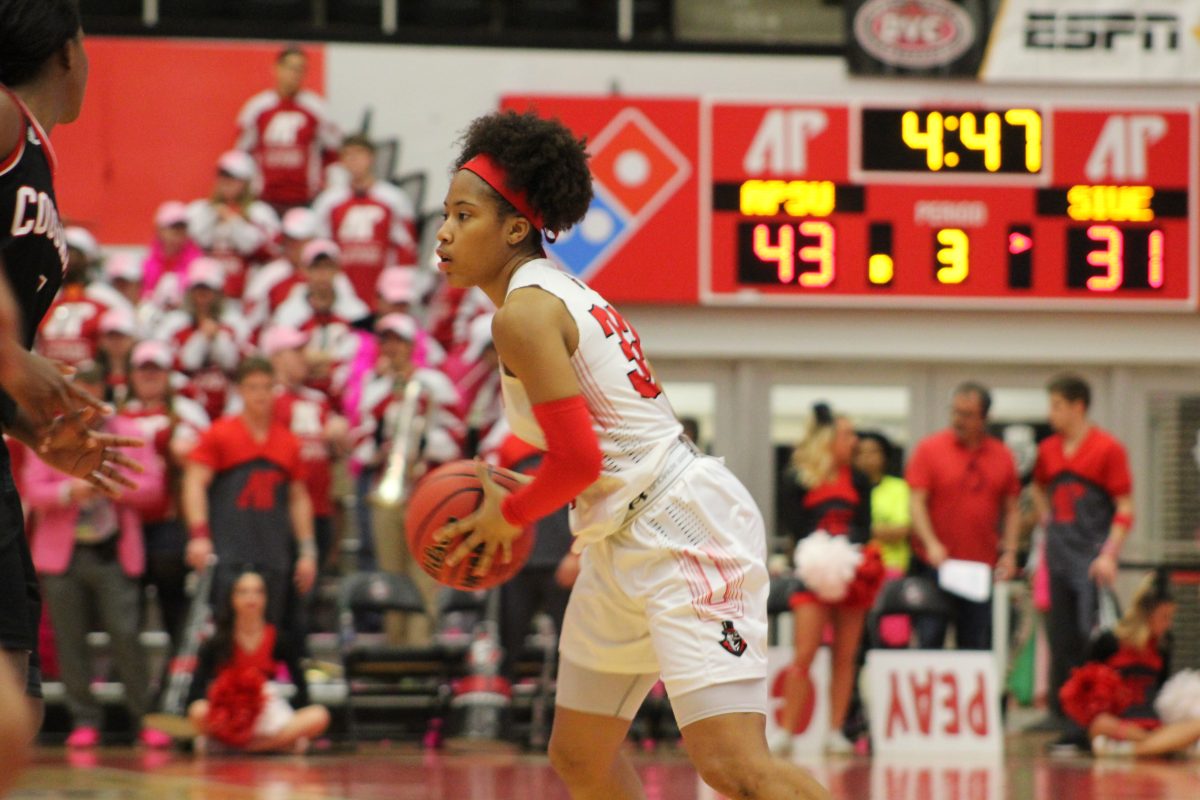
x: 20, y: 597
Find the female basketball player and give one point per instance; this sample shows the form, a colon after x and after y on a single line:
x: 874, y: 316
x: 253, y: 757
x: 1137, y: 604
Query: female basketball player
x: 43, y: 72
x: 673, y: 577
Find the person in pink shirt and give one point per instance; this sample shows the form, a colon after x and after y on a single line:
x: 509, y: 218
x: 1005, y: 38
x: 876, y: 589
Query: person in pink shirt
x: 88, y: 552
x: 170, y: 252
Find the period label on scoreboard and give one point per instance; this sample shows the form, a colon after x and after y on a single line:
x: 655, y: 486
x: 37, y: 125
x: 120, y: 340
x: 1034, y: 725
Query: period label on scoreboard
x: 1006, y: 206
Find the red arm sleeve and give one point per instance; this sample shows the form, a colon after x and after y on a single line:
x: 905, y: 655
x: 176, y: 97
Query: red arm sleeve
x: 572, y: 462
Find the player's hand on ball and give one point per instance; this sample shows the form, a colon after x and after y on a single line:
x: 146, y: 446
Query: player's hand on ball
x: 486, y: 527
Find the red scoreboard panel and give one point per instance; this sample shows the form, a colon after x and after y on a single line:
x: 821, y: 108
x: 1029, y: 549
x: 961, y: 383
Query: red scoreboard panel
x: 991, y: 206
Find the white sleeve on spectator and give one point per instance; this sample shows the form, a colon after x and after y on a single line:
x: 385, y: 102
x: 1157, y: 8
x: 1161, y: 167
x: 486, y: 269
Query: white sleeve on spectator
x: 202, y: 220
x: 247, y: 120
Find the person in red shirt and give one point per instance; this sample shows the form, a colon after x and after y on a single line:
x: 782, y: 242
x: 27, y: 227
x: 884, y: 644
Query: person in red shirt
x: 245, y: 500
x: 290, y: 134
x: 373, y: 221
x: 1084, y: 490
x: 308, y: 413
x: 964, y: 490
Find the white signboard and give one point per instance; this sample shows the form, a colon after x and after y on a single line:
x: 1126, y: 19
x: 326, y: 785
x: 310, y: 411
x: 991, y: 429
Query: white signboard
x: 1095, y: 41
x: 943, y: 701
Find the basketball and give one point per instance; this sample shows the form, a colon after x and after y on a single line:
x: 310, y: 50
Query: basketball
x: 449, y: 493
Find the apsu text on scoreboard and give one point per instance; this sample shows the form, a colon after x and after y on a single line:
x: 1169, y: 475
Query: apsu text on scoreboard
x: 1011, y: 206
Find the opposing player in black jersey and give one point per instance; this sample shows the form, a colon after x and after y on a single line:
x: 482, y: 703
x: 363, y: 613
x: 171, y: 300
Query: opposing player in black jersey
x: 43, y: 72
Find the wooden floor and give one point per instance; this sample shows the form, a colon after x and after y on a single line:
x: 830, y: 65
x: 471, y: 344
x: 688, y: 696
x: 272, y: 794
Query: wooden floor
x: 407, y: 773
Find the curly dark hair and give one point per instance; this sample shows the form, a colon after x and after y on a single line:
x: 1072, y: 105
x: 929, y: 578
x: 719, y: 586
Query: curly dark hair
x: 541, y: 157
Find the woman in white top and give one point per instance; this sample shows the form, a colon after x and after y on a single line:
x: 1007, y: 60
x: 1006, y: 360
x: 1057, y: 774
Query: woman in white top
x: 673, y: 578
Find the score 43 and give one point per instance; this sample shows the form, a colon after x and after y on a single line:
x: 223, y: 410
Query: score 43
x: 813, y: 264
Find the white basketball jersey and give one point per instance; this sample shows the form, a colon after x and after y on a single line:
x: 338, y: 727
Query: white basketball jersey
x: 633, y: 420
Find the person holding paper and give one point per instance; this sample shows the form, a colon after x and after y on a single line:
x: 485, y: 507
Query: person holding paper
x: 964, y: 491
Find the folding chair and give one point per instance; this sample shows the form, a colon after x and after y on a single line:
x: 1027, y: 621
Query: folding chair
x: 379, y: 675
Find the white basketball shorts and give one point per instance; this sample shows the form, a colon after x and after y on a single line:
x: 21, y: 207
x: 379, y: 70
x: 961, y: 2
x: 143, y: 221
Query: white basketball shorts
x: 681, y: 591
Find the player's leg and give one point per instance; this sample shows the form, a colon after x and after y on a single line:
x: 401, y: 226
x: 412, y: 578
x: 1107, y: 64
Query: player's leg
x: 729, y: 749
x: 847, y: 635
x: 20, y: 595
x: 607, y: 667
x: 591, y: 718
x: 16, y: 726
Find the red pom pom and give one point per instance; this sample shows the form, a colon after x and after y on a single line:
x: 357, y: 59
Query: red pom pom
x: 235, y: 700
x: 867, y: 579
x: 1092, y: 690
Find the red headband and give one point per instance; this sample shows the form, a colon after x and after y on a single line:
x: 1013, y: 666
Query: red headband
x: 494, y: 176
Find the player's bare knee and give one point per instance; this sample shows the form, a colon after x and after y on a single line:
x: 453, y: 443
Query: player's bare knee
x: 573, y: 761
x: 734, y: 774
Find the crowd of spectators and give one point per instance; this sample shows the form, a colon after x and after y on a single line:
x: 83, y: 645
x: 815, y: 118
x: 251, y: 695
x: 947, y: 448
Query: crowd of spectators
x: 260, y: 344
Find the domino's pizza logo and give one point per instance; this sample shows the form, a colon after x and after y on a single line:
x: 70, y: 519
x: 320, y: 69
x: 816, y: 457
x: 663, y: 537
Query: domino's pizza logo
x: 635, y: 170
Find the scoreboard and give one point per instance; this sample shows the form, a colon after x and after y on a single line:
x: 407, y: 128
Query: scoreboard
x: 1001, y: 206
x: 888, y: 202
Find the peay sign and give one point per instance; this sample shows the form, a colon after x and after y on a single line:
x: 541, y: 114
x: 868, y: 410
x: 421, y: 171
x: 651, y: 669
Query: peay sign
x: 926, y: 700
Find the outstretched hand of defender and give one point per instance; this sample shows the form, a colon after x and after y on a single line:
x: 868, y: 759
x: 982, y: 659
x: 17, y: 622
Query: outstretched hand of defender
x: 71, y: 447
x: 487, y: 527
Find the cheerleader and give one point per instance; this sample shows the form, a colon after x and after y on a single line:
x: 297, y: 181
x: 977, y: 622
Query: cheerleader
x: 826, y: 507
x: 1122, y: 695
x: 233, y: 698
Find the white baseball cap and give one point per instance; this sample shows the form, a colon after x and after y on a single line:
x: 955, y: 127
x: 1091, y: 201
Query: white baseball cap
x: 318, y: 249
x: 401, y: 325
x: 397, y: 285
x: 299, y: 223
x: 206, y: 271
x: 170, y: 213
x: 123, y: 266
x: 151, y: 351
x: 118, y: 320
x: 237, y: 164
x: 282, y: 337
x: 81, y: 239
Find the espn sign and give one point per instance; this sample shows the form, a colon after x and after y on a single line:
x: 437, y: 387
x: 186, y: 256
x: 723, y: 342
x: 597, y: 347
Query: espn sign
x: 1075, y: 30
x: 1126, y: 41
x: 940, y: 701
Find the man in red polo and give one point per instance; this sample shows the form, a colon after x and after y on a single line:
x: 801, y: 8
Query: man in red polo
x: 964, y: 496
